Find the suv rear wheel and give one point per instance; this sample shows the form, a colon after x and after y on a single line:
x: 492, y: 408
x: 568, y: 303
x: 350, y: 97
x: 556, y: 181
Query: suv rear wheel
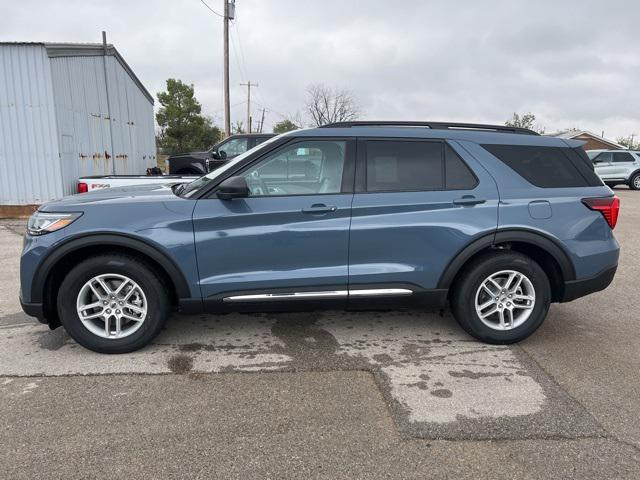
x: 501, y: 297
x: 113, y: 303
x: 634, y: 182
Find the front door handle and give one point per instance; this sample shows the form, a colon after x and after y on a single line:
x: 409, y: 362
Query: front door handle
x: 468, y: 200
x: 319, y: 208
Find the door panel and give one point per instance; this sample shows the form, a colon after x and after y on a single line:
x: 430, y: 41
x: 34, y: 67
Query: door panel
x: 410, y: 237
x: 622, y: 164
x: 290, y: 235
x: 603, y: 165
x: 268, y: 243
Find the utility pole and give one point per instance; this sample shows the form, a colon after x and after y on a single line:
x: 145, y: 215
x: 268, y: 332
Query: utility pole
x: 227, y: 108
x: 262, y: 120
x: 249, y: 85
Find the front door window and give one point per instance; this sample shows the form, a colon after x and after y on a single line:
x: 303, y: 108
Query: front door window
x: 304, y: 168
x: 234, y: 147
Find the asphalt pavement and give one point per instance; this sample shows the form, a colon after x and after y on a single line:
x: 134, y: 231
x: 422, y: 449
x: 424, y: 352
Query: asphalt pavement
x: 329, y: 394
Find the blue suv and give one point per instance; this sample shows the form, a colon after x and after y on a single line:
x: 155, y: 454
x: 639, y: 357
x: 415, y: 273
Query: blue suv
x: 496, y: 221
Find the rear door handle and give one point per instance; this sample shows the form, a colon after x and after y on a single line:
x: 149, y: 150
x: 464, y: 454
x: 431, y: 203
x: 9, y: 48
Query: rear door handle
x: 468, y: 200
x: 319, y: 208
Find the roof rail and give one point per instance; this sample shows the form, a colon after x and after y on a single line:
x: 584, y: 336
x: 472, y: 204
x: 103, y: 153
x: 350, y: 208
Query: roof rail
x: 432, y: 125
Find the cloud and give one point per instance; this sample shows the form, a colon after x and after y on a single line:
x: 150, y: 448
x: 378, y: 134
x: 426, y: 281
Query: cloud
x: 574, y: 64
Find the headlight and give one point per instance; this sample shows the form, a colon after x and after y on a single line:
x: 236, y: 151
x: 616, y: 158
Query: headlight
x: 41, y: 222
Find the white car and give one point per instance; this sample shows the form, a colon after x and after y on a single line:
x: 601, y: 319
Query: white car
x: 616, y: 167
x: 88, y: 184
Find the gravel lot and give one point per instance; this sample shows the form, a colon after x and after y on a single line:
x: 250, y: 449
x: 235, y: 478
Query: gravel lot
x: 331, y: 394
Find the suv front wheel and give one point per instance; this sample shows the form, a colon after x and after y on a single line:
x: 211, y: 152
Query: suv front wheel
x: 501, y: 297
x: 113, y: 303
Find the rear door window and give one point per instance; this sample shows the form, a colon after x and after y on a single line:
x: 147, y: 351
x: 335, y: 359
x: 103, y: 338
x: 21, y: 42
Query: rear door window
x: 404, y: 166
x: 408, y: 165
x: 259, y: 140
x: 545, y: 167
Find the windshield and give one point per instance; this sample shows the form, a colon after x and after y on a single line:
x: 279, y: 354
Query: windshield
x: 192, y: 188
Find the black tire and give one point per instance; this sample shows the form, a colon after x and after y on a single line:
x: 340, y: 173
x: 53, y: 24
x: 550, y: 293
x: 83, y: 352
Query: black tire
x: 470, y: 280
x: 633, y: 180
x: 140, y: 272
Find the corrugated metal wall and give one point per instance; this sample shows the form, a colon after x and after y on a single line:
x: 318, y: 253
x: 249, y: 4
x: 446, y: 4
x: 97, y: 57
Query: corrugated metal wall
x: 29, y: 163
x: 54, y: 123
x: 83, y: 121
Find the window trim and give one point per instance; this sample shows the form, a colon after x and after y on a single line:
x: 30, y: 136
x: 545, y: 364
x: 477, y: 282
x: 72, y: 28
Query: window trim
x: 347, y: 170
x: 361, y: 165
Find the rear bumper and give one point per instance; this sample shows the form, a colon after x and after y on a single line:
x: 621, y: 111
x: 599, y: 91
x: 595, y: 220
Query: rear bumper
x: 579, y: 288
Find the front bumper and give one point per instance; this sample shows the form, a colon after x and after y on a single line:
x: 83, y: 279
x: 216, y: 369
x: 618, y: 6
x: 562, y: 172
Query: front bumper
x: 579, y: 288
x: 34, y: 310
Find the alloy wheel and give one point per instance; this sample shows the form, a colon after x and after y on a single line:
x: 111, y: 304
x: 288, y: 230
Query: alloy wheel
x: 505, y: 300
x: 111, y: 306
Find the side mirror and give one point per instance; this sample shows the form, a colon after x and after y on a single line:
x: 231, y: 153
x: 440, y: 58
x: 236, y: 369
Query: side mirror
x: 219, y: 155
x: 233, y: 187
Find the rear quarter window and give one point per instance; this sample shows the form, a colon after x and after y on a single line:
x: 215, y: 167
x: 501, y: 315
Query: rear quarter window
x: 546, y: 167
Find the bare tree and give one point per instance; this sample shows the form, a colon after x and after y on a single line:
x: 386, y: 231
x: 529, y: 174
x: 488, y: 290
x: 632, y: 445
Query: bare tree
x: 329, y: 105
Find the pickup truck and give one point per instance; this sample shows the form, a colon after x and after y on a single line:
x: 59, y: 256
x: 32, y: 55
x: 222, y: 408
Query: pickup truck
x: 199, y: 163
x: 88, y: 184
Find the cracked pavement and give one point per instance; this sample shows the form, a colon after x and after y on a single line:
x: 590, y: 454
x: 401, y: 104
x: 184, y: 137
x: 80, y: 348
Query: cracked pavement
x: 329, y: 394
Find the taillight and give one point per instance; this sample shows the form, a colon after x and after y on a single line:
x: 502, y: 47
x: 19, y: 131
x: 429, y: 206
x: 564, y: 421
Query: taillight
x: 83, y: 187
x: 609, y: 207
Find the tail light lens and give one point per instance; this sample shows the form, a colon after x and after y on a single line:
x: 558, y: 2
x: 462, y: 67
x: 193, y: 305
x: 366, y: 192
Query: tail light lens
x: 609, y: 207
x: 83, y: 187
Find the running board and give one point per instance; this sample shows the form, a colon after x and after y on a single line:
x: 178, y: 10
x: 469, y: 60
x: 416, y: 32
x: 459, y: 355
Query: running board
x: 331, y: 294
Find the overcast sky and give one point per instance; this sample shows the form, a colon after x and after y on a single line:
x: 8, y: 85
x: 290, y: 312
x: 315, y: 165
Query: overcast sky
x: 572, y: 63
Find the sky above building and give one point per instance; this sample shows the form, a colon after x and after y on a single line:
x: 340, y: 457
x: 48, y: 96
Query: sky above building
x: 574, y: 64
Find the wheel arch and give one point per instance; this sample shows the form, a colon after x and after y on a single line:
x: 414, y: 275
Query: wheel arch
x: 52, y: 269
x: 633, y: 174
x: 545, y: 250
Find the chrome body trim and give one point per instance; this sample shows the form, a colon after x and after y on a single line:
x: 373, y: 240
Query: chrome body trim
x: 286, y: 296
x: 369, y: 292
x: 380, y: 292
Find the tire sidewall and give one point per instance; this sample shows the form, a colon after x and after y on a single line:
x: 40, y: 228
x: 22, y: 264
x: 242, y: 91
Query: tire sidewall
x: 466, y: 311
x: 633, y: 180
x: 156, y: 297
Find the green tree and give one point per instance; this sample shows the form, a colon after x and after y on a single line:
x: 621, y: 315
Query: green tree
x: 526, y: 120
x: 182, y: 126
x: 285, y: 126
x: 629, y: 142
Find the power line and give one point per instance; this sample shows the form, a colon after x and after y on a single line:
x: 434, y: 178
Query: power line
x: 271, y: 110
x: 236, y: 25
x: 242, y: 71
x: 212, y: 10
x: 244, y: 62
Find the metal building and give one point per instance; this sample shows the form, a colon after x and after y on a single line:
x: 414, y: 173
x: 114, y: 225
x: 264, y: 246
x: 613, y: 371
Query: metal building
x: 56, y: 124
